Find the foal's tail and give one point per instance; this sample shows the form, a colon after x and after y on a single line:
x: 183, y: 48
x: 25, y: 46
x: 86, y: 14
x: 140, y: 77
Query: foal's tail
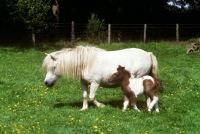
x: 158, y: 85
x: 154, y: 69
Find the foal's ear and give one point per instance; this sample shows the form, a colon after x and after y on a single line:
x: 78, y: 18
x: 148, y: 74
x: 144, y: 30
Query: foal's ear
x: 119, y: 66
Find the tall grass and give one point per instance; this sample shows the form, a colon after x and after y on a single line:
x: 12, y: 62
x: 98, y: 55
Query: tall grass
x: 27, y: 106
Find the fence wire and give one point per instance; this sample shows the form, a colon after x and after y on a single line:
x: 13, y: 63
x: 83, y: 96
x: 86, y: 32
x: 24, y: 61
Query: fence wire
x: 119, y: 32
x: 133, y: 32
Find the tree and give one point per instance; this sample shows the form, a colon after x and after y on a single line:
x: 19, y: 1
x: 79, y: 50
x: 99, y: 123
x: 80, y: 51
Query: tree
x: 185, y: 10
x: 33, y: 13
x: 96, y: 30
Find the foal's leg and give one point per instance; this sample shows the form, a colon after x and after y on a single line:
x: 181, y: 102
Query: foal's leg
x: 155, y: 101
x: 126, y: 103
x: 133, y: 100
x: 85, y: 92
x: 93, y: 88
x: 156, y: 106
x: 148, y: 100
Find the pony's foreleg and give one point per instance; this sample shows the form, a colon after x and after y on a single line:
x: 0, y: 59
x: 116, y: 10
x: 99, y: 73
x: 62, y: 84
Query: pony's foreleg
x: 93, y: 88
x: 155, y: 101
x: 85, y: 92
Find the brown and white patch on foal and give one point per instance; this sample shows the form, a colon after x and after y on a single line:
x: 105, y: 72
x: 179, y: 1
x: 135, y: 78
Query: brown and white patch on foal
x: 132, y: 87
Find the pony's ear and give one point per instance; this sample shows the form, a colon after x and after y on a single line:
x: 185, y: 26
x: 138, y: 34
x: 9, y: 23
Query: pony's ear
x: 52, y: 57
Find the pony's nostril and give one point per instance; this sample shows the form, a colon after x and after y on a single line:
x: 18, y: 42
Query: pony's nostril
x: 46, y: 83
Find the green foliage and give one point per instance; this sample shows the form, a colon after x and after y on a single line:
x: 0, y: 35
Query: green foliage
x: 27, y: 106
x: 34, y: 13
x: 96, y: 30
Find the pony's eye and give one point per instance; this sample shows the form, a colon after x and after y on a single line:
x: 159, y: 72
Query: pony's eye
x: 54, y: 68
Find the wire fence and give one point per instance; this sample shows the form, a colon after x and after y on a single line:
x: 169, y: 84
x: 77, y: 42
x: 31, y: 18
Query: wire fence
x: 133, y: 32
x: 116, y: 33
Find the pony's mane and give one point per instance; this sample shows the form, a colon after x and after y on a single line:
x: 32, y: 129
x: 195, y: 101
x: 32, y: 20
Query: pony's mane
x: 73, y: 61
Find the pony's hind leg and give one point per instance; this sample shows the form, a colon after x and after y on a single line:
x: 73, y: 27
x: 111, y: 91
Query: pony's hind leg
x: 155, y: 101
x: 93, y: 88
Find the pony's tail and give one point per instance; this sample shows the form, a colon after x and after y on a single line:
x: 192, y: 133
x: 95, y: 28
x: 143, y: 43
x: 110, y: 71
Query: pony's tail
x: 154, y: 69
x: 158, y: 85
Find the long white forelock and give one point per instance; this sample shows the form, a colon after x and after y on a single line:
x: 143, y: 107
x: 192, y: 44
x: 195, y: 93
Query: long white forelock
x: 82, y: 56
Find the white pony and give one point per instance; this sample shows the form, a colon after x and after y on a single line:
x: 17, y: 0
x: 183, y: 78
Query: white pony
x: 93, y: 66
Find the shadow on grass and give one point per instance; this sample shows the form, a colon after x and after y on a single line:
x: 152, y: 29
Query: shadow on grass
x: 112, y: 103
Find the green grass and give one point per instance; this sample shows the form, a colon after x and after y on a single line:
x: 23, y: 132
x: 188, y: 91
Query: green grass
x: 27, y: 106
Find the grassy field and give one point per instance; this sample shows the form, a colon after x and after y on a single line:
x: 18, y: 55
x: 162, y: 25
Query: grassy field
x: 27, y: 106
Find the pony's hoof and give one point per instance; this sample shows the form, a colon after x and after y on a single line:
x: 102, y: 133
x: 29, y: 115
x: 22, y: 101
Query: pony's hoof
x: 157, y: 111
x: 149, y: 110
x: 102, y: 106
x: 84, y: 108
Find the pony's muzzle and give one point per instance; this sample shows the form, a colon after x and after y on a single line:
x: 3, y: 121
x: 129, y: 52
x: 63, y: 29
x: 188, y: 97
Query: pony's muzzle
x: 48, y: 84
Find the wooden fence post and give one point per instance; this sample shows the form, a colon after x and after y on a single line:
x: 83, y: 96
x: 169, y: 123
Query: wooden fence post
x: 109, y: 33
x: 177, y: 33
x: 145, y: 32
x: 73, y: 34
x: 33, y: 36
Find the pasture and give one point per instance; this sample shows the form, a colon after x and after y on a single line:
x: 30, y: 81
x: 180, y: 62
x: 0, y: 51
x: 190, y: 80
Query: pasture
x: 28, y: 106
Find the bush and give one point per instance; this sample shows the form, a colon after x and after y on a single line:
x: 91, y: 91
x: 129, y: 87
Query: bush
x: 96, y: 30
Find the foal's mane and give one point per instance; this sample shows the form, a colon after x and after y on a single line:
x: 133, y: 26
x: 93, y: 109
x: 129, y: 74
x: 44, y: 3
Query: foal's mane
x: 73, y: 61
x: 128, y: 73
x: 123, y: 71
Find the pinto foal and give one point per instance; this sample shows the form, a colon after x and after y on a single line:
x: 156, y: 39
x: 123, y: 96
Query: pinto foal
x: 132, y: 87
